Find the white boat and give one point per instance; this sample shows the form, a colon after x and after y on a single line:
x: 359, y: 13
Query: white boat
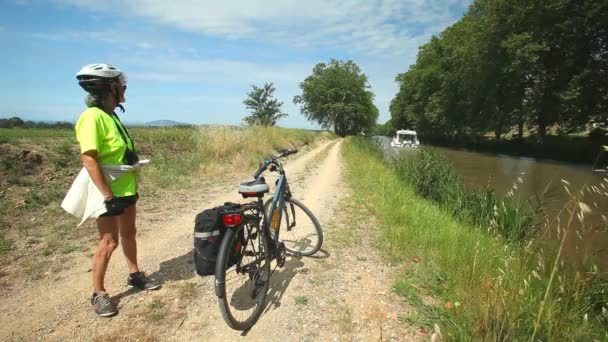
x: 405, y: 138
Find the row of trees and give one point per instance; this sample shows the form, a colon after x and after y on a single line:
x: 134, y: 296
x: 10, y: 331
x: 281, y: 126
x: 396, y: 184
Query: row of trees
x: 523, y: 63
x: 16, y: 122
x: 336, y: 96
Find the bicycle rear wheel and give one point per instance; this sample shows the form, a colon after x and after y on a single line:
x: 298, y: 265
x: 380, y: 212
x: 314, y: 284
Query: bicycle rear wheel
x: 300, y: 230
x: 242, y: 275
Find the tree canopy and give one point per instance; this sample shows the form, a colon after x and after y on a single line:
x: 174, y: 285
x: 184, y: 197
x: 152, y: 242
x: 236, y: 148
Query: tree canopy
x: 510, y: 63
x: 265, y: 109
x: 337, y: 96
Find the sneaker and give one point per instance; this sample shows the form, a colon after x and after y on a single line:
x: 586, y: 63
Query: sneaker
x: 140, y: 281
x: 103, y: 304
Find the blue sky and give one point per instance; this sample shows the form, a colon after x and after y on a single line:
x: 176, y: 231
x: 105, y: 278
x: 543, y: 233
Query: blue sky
x: 194, y: 61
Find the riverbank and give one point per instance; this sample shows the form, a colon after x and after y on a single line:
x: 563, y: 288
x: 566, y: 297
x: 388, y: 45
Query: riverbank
x: 471, y: 283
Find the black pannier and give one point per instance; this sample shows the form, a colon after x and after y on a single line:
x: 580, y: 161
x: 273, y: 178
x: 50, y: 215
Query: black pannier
x: 209, y: 231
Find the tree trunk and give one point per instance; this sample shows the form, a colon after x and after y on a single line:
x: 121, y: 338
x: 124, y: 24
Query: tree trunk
x: 541, y: 129
x: 520, y: 128
x: 497, y: 133
x: 498, y: 130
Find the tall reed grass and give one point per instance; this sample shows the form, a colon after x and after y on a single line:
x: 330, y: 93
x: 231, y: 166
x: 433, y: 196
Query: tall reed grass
x: 433, y: 178
x: 180, y: 154
x: 472, y: 283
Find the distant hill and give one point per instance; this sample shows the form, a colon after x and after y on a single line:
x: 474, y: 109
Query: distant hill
x: 165, y: 123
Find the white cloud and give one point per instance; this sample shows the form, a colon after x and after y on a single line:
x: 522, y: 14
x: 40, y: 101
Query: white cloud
x: 215, y: 71
x: 143, y: 40
x: 357, y: 25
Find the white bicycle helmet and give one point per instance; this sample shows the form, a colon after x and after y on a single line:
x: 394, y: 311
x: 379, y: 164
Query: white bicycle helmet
x: 96, y: 78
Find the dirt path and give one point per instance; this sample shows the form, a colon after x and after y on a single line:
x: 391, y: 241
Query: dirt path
x: 343, y: 294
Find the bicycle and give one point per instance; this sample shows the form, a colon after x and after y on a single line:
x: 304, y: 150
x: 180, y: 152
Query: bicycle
x: 251, y: 242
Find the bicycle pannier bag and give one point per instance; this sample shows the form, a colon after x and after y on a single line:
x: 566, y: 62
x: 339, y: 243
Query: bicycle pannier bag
x: 209, y: 231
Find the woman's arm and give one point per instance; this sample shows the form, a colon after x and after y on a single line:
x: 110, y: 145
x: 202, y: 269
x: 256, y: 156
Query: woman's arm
x: 89, y: 160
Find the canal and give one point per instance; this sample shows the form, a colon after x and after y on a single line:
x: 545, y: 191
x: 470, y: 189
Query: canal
x: 588, y: 240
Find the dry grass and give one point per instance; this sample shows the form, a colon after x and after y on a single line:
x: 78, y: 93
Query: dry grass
x: 345, y: 319
x: 186, y: 291
x: 128, y: 331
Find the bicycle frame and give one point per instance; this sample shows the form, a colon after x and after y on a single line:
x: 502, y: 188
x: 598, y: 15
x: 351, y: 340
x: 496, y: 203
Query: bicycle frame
x: 281, y: 194
x: 278, y: 202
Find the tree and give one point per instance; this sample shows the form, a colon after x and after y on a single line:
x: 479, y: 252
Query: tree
x: 12, y: 122
x: 265, y: 109
x: 336, y: 96
x: 510, y: 62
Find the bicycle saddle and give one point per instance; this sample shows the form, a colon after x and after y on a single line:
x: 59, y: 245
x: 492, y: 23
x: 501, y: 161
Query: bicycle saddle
x: 256, y: 188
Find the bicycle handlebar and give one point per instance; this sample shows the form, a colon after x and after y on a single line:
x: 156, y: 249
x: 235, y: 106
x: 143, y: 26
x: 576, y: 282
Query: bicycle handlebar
x: 261, y: 169
x: 264, y: 165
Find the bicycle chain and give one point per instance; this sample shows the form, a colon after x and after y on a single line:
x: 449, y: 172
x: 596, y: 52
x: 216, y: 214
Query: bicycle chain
x: 281, y: 255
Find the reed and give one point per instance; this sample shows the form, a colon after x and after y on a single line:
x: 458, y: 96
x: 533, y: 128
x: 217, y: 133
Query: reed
x: 432, y: 177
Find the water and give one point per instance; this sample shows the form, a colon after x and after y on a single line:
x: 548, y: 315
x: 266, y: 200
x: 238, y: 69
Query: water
x: 587, y: 241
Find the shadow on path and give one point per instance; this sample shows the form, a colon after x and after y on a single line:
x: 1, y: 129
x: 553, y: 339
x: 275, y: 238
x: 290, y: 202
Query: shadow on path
x: 178, y: 268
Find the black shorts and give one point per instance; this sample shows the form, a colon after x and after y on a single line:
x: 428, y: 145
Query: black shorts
x: 118, y: 205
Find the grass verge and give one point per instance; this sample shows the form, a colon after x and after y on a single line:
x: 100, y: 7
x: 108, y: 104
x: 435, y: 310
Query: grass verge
x: 474, y: 284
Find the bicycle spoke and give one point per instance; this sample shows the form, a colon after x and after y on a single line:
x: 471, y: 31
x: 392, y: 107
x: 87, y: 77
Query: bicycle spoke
x: 302, y: 236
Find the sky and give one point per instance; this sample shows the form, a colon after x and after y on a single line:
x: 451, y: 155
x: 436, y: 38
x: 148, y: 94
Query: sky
x: 194, y: 61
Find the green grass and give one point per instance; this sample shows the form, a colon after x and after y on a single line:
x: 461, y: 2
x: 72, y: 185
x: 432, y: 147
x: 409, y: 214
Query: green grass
x: 156, y: 311
x: 5, y: 244
x: 41, y: 196
x: 65, y: 154
x: 301, y: 300
x: 34, y: 134
x: 67, y: 249
x: 502, y: 287
x: 187, y: 291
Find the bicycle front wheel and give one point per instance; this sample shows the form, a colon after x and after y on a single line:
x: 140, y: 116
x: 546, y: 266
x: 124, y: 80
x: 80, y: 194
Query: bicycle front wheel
x: 242, y: 275
x: 300, y: 230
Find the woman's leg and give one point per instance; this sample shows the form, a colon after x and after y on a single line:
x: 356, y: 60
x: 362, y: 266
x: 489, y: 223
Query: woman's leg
x: 108, y: 241
x: 129, y: 247
x: 126, y: 224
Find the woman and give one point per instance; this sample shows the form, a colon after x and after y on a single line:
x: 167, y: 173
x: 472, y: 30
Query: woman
x: 104, y: 140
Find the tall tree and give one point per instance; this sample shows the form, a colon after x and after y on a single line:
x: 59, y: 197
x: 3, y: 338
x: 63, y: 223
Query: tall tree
x: 510, y: 62
x: 336, y: 96
x: 265, y: 109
